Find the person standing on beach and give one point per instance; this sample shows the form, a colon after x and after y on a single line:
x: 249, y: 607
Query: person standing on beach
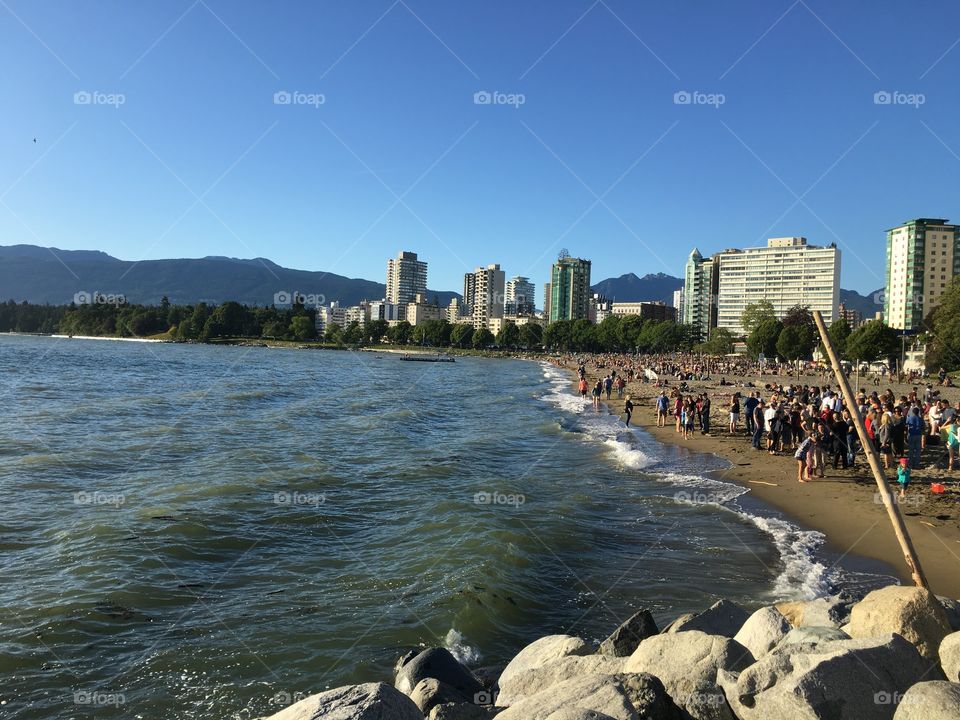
x: 597, y: 390
x: 705, y: 414
x: 663, y: 404
x: 801, y: 455
x: 758, y: 412
x: 914, y: 437
x: 628, y: 409
x: 678, y: 411
x: 583, y: 387
x: 749, y: 405
x: 608, y: 385
x: 734, y: 413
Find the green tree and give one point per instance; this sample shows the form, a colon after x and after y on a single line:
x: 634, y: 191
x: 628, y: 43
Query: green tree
x: 720, y: 342
x: 482, y: 338
x: 509, y: 336
x: 763, y: 339
x: 461, y: 334
x: 275, y: 329
x: 353, y: 333
x: 583, y: 335
x: 795, y: 342
x: 943, y: 346
x: 302, y: 328
x: 872, y: 341
x: 629, y: 331
x: 400, y: 333
x: 838, y: 331
x: 557, y: 335
x: 374, y: 330
x: 756, y: 313
x: 608, y: 334
x: 531, y: 336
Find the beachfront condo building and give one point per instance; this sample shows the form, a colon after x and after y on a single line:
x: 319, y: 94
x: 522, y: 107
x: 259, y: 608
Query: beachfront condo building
x: 678, y: 303
x: 656, y: 310
x: 406, y: 277
x: 520, y: 297
x: 546, y: 301
x: 787, y: 272
x: 488, y: 295
x: 923, y: 257
x: 699, y: 308
x: 570, y: 294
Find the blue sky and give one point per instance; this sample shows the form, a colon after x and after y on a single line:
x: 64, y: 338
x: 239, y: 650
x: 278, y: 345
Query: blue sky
x: 383, y: 146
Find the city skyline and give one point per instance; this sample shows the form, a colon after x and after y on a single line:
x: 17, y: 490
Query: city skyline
x: 346, y: 131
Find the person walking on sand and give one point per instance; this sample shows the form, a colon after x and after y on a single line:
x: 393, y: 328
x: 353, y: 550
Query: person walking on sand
x: 628, y: 409
x: 663, y: 404
x: 608, y: 385
x: 758, y: 412
x: 734, y: 413
x: 583, y: 387
x: 914, y: 437
x: 597, y: 389
x: 678, y: 411
x: 885, y: 438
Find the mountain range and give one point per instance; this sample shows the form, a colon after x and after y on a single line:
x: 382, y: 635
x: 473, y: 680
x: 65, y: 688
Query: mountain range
x: 52, y: 276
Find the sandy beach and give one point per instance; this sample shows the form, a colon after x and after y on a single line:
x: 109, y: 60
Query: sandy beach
x: 845, y: 504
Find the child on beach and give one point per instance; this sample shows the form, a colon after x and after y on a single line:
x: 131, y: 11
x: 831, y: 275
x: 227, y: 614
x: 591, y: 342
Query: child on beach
x: 663, y: 403
x: 903, y: 477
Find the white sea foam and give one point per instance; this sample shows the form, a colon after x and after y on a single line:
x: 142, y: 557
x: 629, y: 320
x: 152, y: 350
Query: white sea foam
x: 460, y: 649
x: 803, y: 577
x: 626, y: 455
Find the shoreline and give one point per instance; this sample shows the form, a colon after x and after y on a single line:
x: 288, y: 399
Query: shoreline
x: 844, y: 506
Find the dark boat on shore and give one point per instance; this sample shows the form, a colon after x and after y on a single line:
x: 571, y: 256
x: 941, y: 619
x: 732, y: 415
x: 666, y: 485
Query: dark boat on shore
x: 423, y: 357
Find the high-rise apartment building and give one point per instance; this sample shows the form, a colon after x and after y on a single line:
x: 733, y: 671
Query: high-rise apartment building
x: 469, y: 291
x: 787, y: 272
x: 546, y: 301
x: 923, y: 256
x: 488, y: 295
x: 570, y: 293
x: 406, y: 277
x: 699, y: 294
x: 520, y: 297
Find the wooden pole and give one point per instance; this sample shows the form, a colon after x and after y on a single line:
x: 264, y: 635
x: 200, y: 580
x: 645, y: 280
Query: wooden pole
x: 893, y: 510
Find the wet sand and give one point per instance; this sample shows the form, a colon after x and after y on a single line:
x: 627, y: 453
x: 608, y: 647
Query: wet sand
x: 845, y: 505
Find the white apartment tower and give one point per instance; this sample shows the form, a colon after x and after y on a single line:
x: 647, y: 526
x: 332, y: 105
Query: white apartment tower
x: 519, y: 298
x: 406, y: 278
x: 488, y: 295
x: 787, y: 272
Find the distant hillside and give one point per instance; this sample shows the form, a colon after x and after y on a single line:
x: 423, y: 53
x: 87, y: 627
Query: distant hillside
x: 868, y: 305
x: 630, y: 288
x: 49, y: 275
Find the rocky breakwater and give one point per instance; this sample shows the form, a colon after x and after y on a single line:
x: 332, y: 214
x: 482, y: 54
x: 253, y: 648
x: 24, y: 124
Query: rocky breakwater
x: 894, y: 654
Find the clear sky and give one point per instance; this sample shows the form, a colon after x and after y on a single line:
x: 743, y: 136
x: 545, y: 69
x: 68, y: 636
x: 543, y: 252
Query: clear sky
x: 179, y: 148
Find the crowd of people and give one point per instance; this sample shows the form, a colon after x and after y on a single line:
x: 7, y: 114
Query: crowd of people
x: 813, y: 422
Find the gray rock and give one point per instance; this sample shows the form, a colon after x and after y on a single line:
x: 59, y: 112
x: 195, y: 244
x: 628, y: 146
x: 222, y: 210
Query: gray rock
x: 687, y: 664
x: 625, y: 639
x: 542, y: 651
x: 619, y: 697
x: 832, y: 611
x: 430, y: 692
x: 813, y: 636
x: 762, y: 631
x: 371, y: 701
x: 911, y: 612
x: 488, y: 675
x: 678, y: 621
x: 950, y: 656
x: 439, y: 664
x: 952, y: 609
x: 527, y: 683
x: 461, y: 711
x: 928, y: 700
x: 840, y: 680
x: 722, y: 618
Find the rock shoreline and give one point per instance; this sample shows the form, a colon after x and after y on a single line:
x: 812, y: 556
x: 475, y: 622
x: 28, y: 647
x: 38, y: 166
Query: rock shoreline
x: 893, y: 654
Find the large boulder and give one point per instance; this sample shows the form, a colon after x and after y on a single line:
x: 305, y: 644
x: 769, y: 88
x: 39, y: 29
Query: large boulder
x: 929, y: 700
x: 461, y: 711
x: 950, y: 656
x: 687, y: 664
x: 813, y: 636
x: 722, y: 618
x: 521, y: 685
x: 542, y: 651
x: 628, y: 636
x: 619, y: 697
x: 840, y: 680
x: 952, y: 609
x: 831, y: 611
x: 439, y: 664
x: 914, y: 613
x: 371, y: 701
x: 762, y: 631
x: 430, y: 692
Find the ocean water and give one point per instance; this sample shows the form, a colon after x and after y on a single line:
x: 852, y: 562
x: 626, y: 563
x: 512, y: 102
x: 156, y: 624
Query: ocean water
x: 215, y: 532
